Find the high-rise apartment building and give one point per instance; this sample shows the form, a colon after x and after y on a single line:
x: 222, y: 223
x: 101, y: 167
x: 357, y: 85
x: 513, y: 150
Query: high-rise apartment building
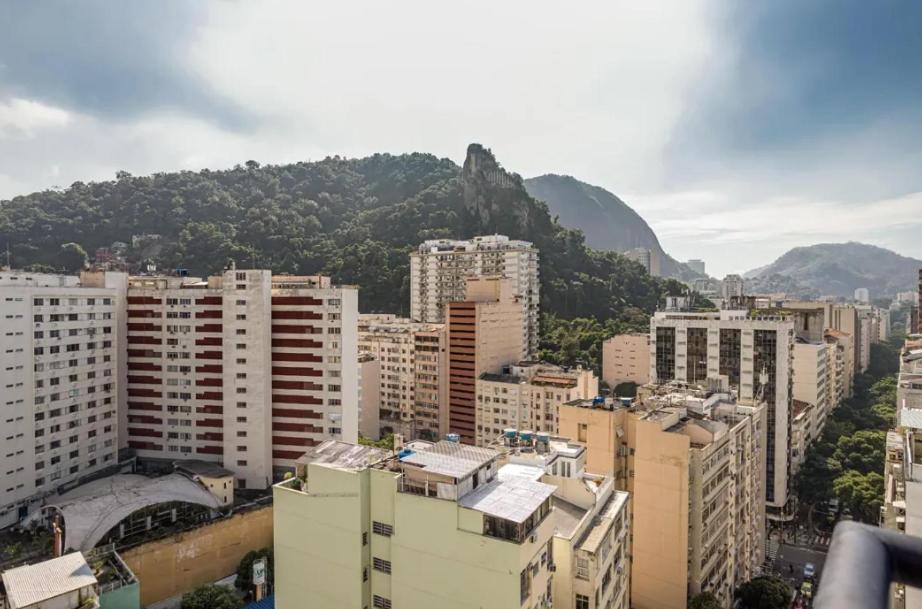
x: 245, y: 369
x: 731, y: 286
x: 439, y: 525
x: 811, y: 381
x: 413, y: 360
x: 753, y: 354
x: 61, y: 371
x: 439, y: 270
x: 526, y: 396
x: 483, y: 337
x: 626, y: 359
x: 693, y: 463
x: 696, y: 265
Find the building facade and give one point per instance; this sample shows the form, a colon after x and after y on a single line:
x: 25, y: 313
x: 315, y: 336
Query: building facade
x: 439, y: 270
x: 436, y: 527
x: 626, y: 359
x: 61, y: 371
x: 413, y: 360
x: 245, y: 369
x: 483, y: 337
x: 749, y: 353
x: 812, y: 384
x: 527, y: 396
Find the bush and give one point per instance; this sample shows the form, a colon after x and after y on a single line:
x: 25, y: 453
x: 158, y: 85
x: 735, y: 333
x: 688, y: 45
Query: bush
x: 211, y: 597
x: 245, y: 569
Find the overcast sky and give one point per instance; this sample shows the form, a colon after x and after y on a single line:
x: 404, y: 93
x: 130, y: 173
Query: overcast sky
x: 736, y: 133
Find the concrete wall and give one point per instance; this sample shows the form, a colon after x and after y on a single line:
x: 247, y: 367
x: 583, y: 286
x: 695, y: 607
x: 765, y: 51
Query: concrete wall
x: 126, y: 597
x: 174, y: 565
x: 626, y: 358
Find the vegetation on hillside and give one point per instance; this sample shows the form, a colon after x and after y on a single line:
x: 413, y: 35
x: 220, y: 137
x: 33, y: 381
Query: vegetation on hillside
x: 354, y: 219
x: 847, y: 461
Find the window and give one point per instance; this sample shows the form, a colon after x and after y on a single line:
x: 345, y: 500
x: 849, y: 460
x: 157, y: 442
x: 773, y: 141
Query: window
x: 241, y: 361
x: 582, y: 601
x: 241, y: 302
x: 241, y: 331
x: 241, y: 463
x: 364, y: 538
x: 241, y: 346
x: 379, y: 528
x: 364, y: 574
x: 241, y: 316
x: 380, y: 602
x: 581, y: 433
x: 379, y: 564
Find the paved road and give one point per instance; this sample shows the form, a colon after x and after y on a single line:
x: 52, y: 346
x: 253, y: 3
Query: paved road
x: 798, y: 556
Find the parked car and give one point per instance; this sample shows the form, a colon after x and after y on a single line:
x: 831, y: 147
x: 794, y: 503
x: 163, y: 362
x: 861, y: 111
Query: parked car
x: 809, y: 570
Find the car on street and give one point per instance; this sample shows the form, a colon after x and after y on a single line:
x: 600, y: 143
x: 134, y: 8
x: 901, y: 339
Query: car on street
x: 806, y: 589
x: 809, y: 570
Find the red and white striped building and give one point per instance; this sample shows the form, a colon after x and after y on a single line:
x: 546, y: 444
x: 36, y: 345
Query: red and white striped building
x: 245, y: 369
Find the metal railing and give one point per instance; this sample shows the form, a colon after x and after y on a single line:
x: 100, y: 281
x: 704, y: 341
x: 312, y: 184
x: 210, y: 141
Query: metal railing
x: 862, y: 563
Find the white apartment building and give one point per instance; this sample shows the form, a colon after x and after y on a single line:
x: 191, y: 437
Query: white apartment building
x: 439, y: 270
x: 245, y: 369
x: 61, y: 365
x: 527, y: 396
x: 413, y: 385
x: 645, y: 257
x: 752, y: 354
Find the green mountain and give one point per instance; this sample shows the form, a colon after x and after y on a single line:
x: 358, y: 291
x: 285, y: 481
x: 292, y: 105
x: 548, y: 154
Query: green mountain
x: 354, y: 219
x: 838, y: 269
x: 607, y: 221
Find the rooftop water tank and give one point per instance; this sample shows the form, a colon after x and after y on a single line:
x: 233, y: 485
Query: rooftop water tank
x: 509, y: 433
x: 403, y: 454
x: 543, y: 437
x: 525, y: 435
x: 453, y: 437
x: 598, y: 400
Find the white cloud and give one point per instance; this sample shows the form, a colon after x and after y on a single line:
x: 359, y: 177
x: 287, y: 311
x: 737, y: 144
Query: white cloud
x: 23, y: 118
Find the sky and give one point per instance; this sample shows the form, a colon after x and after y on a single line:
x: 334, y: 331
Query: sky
x: 737, y: 130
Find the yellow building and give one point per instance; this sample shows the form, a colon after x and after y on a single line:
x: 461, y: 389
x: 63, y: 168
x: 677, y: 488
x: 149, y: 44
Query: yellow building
x: 435, y: 526
x: 693, y: 463
x: 526, y: 396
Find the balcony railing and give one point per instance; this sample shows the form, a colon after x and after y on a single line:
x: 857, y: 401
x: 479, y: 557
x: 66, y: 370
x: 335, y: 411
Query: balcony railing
x: 862, y: 563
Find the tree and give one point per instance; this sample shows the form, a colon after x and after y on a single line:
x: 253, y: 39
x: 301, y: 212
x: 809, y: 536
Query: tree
x: 626, y: 390
x: 861, y: 493
x: 72, y: 257
x: 211, y: 597
x: 704, y: 600
x: 862, y: 451
x: 244, y: 580
x: 387, y: 442
x: 766, y: 592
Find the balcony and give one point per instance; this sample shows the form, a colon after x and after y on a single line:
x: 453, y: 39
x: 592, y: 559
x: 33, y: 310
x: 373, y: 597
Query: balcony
x: 862, y: 563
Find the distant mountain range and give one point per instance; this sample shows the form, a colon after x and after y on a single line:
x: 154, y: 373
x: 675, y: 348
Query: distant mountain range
x: 837, y: 269
x: 607, y: 222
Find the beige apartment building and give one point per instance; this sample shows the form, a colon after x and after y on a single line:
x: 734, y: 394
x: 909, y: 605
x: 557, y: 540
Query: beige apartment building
x: 526, y: 395
x: 439, y: 525
x: 750, y: 353
x: 483, y: 337
x: 626, y: 359
x: 246, y: 369
x: 811, y: 384
x: 439, y: 270
x: 413, y: 359
x: 369, y: 371
x: 839, y: 365
x: 693, y: 462
x: 62, y: 364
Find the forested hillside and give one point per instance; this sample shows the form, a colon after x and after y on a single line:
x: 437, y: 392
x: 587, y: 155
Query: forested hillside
x: 355, y: 219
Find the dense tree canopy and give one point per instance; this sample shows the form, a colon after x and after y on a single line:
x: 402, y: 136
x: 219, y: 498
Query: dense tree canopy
x: 766, y: 592
x: 847, y: 461
x: 211, y: 597
x: 354, y: 219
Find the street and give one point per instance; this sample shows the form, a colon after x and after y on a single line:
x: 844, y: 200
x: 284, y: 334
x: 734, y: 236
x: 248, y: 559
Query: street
x: 791, y: 559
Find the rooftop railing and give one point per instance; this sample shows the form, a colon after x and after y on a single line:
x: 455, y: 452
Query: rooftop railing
x: 862, y: 563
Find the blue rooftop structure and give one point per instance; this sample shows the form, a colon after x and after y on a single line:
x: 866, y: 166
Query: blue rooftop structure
x: 266, y: 603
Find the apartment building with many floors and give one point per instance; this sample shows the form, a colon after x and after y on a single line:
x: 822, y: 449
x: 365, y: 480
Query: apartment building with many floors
x: 752, y: 354
x: 61, y: 370
x: 413, y: 370
x: 246, y: 369
x: 439, y: 270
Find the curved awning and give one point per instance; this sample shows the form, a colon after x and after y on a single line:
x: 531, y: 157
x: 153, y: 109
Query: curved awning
x: 92, y: 509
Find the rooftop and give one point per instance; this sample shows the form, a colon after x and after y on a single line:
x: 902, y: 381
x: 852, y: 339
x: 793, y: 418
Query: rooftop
x: 343, y: 455
x: 40, y: 582
x: 202, y: 468
x: 514, y: 499
x: 450, y: 459
x: 599, y: 529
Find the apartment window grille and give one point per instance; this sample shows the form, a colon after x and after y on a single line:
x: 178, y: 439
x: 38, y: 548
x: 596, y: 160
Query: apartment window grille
x: 379, y: 528
x: 379, y: 564
x: 381, y: 603
x: 582, y: 601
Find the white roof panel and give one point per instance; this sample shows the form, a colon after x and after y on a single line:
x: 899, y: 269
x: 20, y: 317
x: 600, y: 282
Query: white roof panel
x: 37, y: 583
x: 515, y: 498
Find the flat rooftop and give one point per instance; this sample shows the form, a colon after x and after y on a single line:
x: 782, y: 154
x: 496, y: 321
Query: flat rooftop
x: 450, y: 459
x: 599, y: 529
x: 343, y: 455
x: 513, y: 499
